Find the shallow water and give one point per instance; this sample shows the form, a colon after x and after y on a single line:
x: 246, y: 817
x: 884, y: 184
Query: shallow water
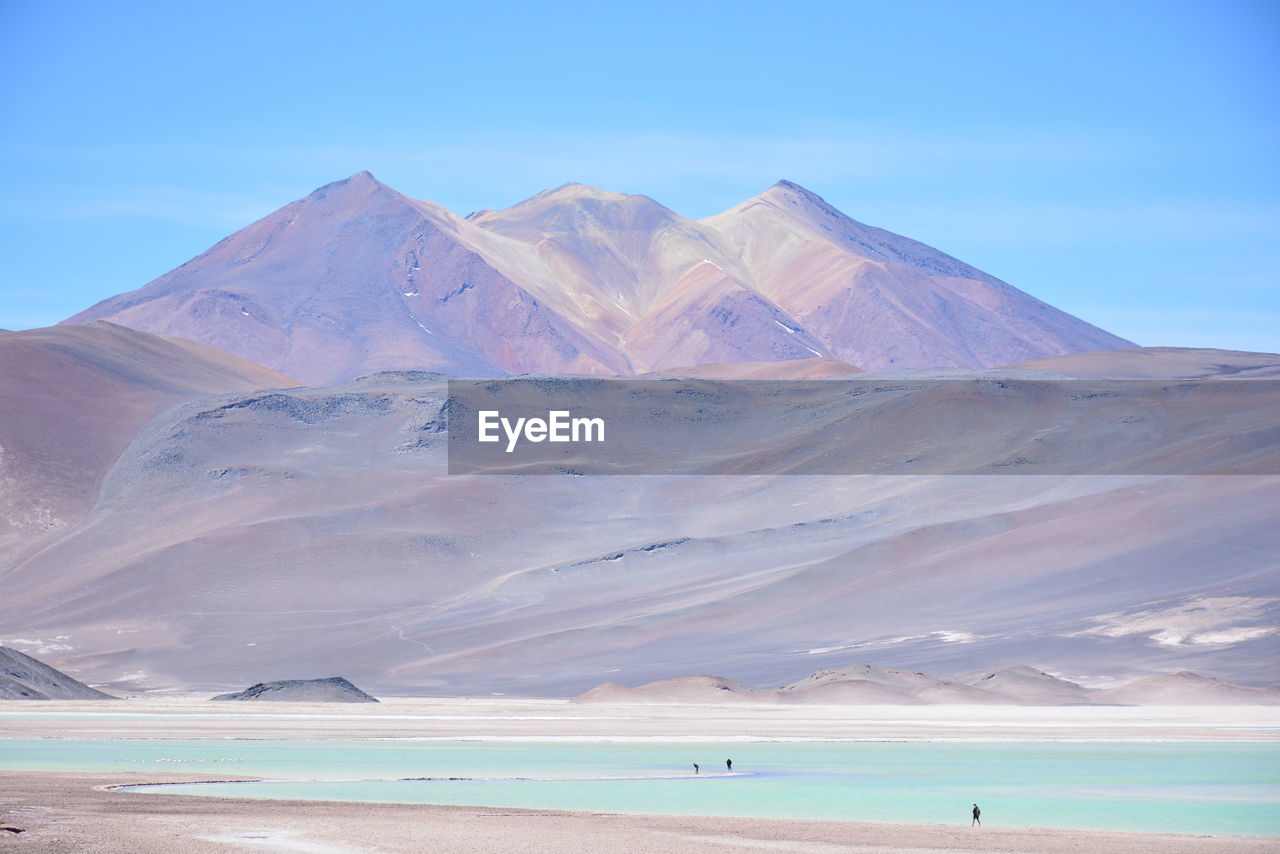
x: 1183, y: 788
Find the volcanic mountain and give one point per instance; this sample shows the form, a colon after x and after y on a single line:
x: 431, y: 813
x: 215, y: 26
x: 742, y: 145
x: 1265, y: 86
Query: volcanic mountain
x: 357, y: 278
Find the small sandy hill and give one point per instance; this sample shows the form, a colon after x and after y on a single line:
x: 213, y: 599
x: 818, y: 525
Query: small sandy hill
x: 864, y: 684
x: 852, y: 692
x: 334, y: 689
x: 682, y: 689
x: 903, y: 680
x: 1160, y: 363
x: 795, y: 369
x: 1027, y: 685
x: 869, y: 684
x: 25, y: 678
x: 1188, y: 689
x: 612, y: 692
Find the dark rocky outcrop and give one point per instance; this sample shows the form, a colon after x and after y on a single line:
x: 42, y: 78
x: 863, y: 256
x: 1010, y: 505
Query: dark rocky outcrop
x: 335, y: 689
x: 24, y: 678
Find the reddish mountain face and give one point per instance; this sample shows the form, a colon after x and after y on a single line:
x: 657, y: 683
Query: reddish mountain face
x: 353, y: 279
x: 880, y: 300
x: 357, y: 278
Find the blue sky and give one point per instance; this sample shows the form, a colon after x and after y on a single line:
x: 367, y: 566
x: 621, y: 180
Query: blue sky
x: 1117, y: 160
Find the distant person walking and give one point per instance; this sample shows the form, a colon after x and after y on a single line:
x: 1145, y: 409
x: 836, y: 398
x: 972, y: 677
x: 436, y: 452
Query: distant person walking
x: 977, y: 817
x: 695, y: 767
x: 728, y: 763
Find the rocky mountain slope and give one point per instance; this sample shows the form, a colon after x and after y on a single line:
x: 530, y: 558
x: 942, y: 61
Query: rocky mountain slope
x: 317, y: 529
x: 72, y: 397
x: 25, y: 678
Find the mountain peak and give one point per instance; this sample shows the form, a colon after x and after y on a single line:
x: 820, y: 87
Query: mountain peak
x: 789, y: 194
x: 789, y: 206
x: 565, y: 208
x: 784, y: 184
x: 576, y: 191
x: 360, y: 182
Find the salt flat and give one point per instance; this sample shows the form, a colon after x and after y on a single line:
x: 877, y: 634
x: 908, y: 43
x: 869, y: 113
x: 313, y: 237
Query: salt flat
x: 551, y: 719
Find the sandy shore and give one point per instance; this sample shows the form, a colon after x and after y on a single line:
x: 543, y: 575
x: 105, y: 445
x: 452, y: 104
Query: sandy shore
x: 196, y: 717
x: 64, y: 813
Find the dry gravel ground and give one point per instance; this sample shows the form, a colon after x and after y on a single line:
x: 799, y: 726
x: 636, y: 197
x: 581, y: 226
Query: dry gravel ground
x: 65, y: 813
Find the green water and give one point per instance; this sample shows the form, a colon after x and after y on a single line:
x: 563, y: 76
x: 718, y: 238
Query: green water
x: 1179, y: 788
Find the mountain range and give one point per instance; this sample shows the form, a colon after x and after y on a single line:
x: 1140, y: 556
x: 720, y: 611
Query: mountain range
x: 357, y: 278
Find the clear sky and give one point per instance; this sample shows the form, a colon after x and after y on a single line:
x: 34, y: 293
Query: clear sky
x: 1116, y: 159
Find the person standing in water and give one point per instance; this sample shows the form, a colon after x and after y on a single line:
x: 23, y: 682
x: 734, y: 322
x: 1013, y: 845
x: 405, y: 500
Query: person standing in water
x: 977, y: 817
x: 728, y: 763
x: 695, y: 767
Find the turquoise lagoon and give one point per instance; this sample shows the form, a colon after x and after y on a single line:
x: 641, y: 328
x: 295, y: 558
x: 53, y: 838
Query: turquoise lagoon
x: 1218, y: 788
